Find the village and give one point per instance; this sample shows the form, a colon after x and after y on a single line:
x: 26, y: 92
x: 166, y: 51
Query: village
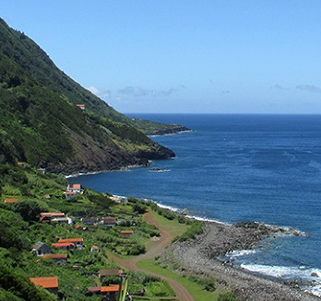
x: 60, y: 250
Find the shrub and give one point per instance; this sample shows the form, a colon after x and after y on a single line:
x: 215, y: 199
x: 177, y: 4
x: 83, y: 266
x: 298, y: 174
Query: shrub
x: 227, y: 297
x: 196, y: 228
x: 28, y: 210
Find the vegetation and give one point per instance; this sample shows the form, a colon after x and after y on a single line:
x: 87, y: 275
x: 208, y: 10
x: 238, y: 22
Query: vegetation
x: 41, y: 124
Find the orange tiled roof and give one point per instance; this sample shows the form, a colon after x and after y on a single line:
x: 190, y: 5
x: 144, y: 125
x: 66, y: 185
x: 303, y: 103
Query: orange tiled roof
x: 51, y: 214
x: 45, y: 282
x: 76, y: 186
x: 71, y: 240
x: 10, y: 200
x: 110, y: 288
x: 60, y: 244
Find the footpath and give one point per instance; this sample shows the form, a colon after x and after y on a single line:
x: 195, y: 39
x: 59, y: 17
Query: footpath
x: 157, y: 248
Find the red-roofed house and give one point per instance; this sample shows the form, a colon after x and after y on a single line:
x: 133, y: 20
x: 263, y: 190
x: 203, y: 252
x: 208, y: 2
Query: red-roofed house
x: 11, y: 201
x: 110, y: 291
x: 80, y: 106
x: 94, y: 249
x: 126, y: 233
x: 63, y: 246
x: 58, y: 258
x: 74, y: 188
x: 46, y: 217
x: 69, y: 194
x: 109, y: 221
x: 78, y: 242
x: 49, y: 283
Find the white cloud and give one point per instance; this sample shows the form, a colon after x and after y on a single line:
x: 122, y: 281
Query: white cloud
x: 134, y: 91
x: 93, y: 90
x: 142, y: 92
x: 309, y: 88
x: 105, y: 95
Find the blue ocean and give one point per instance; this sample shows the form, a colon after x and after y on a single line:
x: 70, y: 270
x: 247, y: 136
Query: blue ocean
x: 233, y: 168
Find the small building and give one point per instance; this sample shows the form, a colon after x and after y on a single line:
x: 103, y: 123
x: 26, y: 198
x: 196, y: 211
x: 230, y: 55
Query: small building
x: 61, y: 220
x: 69, y: 194
x: 94, y: 249
x: 11, y: 201
x: 41, y: 249
x: 63, y: 246
x: 78, y: 242
x: 58, y: 258
x: 89, y: 220
x: 80, y: 106
x: 41, y: 170
x: 49, y: 283
x: 75, y: 188
x: 126, y: 233
x: 118, y: 199
x: 109, y: 292
x: 21, y: 164
x: 110, y: 272
x: 46, y: 217
x: 108, y: 221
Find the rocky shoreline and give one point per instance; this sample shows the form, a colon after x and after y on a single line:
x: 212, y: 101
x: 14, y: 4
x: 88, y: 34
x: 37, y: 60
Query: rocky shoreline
x: 177, y: 129
x: 199, y: 257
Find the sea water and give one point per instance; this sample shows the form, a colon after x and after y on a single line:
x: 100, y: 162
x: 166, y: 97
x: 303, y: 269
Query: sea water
x: 233, y: 168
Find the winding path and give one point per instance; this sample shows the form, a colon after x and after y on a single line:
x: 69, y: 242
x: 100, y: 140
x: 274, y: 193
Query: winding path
x: 157, y: 248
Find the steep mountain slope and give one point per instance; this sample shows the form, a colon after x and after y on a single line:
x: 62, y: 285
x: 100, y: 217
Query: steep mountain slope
x: 41, y: 124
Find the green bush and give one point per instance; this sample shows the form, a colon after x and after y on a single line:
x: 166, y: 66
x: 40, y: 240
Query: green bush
x: 196, y: 228
x: 227, y: 297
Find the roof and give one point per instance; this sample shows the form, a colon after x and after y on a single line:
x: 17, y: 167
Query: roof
x: 126, y: 232
x: 80, y: 105
x: 60, y: 244
x: 110, y: 272
x: 109, y: 219
x: 110, y: 288
x: 89, y: 219
x: 45, y: 282
x: 11, y: 201
x: 55, y: 256
x: 95, y: 247
x: 70, y: 240
x: 52, y: 214
x: 38, y: 245
x: 76, y: 186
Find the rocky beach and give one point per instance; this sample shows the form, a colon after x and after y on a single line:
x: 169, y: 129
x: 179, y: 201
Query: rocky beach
x: 199, y: 257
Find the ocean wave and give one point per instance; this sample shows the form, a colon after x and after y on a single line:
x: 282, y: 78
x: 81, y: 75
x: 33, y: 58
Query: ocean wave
x: 309, y: 279
x: 239, y: 253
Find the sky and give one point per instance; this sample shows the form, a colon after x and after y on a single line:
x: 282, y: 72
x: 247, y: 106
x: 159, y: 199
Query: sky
x: 183, y: 56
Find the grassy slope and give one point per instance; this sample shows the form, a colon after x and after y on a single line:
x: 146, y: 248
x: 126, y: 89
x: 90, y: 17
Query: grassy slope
x: 41, y: 125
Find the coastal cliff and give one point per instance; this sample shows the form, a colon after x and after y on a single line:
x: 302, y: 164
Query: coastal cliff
x: 48, y: 120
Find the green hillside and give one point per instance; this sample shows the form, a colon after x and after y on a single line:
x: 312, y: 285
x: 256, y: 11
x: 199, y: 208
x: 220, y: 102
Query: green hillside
x: 40, y: 123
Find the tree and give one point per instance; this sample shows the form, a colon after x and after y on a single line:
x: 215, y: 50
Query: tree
x: 28, y: 210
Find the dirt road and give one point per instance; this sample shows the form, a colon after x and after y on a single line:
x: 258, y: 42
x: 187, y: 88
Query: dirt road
x: 157, y: 248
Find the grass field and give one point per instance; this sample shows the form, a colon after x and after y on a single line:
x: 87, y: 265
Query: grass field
x: 195, y: 289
